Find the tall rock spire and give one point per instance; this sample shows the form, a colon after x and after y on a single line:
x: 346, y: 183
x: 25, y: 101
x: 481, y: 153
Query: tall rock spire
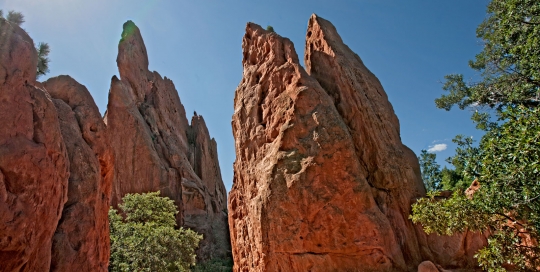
x: 392, y: 168
x: 300, y: 199
x: 157, y: 149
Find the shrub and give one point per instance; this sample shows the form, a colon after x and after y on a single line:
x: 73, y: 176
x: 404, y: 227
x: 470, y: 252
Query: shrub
x: 147, y: 240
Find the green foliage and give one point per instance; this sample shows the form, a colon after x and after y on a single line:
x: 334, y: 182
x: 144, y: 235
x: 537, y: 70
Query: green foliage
x: 509, y: 63
x: 444, y: 217
x: 453, y: 180
x: 431, y: 173
x: 147, y: 240
x: 43, y: 59
x: 436, y: 179
x: 507, y: 165
x: 506, y: 161
x: 270, y: 28
x: 215, y: 265
x: 14, y: 17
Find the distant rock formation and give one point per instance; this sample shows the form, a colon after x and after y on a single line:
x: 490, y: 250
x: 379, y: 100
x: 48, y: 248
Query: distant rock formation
x: 157, y: 149
x: 81, y: 241
x: 322, y: 180
x: 59, y: 161
x: 34, y: 163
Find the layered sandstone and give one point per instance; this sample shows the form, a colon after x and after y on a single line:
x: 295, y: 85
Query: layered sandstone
x: 322, y: 180
x: 157, y: 149
x: 34, y: 164
x: 81, y: 241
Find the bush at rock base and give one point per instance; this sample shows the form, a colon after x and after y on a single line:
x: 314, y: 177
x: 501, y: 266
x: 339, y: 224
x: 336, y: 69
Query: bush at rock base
x: 147, y: 240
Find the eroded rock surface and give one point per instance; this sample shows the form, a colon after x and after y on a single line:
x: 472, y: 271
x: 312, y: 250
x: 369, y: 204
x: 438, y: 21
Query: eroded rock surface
x: 157, y: 148
x: 301, y: 200
x: 34, y: 165
x: 392, y: 168
x: 81, y: 241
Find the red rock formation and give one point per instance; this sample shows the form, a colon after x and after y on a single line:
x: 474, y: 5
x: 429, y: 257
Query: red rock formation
x: 392, y: 167
x: 33, y: 160
x: 322, y: 180
x: 157, y: 149
x: 81, y: 241
x: 301, y: 200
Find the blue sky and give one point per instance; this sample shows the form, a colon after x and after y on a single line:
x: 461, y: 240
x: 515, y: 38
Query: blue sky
x: 409, y: 45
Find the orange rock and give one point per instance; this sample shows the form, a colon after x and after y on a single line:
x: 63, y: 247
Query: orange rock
x: 427, y: 266
x: 33, y: 159
x: 391, y: 167
x: 301, y: 200
x: 81, y: 241
x: 157, y: 149
x: 475, y: 186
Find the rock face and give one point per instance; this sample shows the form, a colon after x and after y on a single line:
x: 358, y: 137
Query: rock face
x: 34, y: 165
x: 81, y: 241
x: 322, y: 180
x: 392, y: 168
x: 157, y: 149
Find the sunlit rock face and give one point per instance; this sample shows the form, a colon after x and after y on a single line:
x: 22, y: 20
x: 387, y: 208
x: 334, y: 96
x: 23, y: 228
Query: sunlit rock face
x: 81, y: 241
x: 322, y: 180
x: 157, y: 149
x: 392, y: 169
x: 34, y: 163
x: 300, y: 195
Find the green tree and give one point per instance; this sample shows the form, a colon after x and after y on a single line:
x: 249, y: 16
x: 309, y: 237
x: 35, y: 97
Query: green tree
x: 431, y: 173
x: 270, y: 28
x: 215, y: 265
x: 506, y: 160
x: 14, y: 17
x: 507, y: 165
x: 43, y: 59
x: 509, y: 63
x: 42, y: 49
x: 147, y: 239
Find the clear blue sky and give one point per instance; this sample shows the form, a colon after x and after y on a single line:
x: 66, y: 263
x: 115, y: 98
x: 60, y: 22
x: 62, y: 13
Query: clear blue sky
x: 409, y: 45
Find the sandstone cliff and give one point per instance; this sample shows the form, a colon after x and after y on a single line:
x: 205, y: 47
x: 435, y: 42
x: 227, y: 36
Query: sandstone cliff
x: 34, y: 164
x: 322, y: 180
x: 81, y: 241
x: 157, y: 149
